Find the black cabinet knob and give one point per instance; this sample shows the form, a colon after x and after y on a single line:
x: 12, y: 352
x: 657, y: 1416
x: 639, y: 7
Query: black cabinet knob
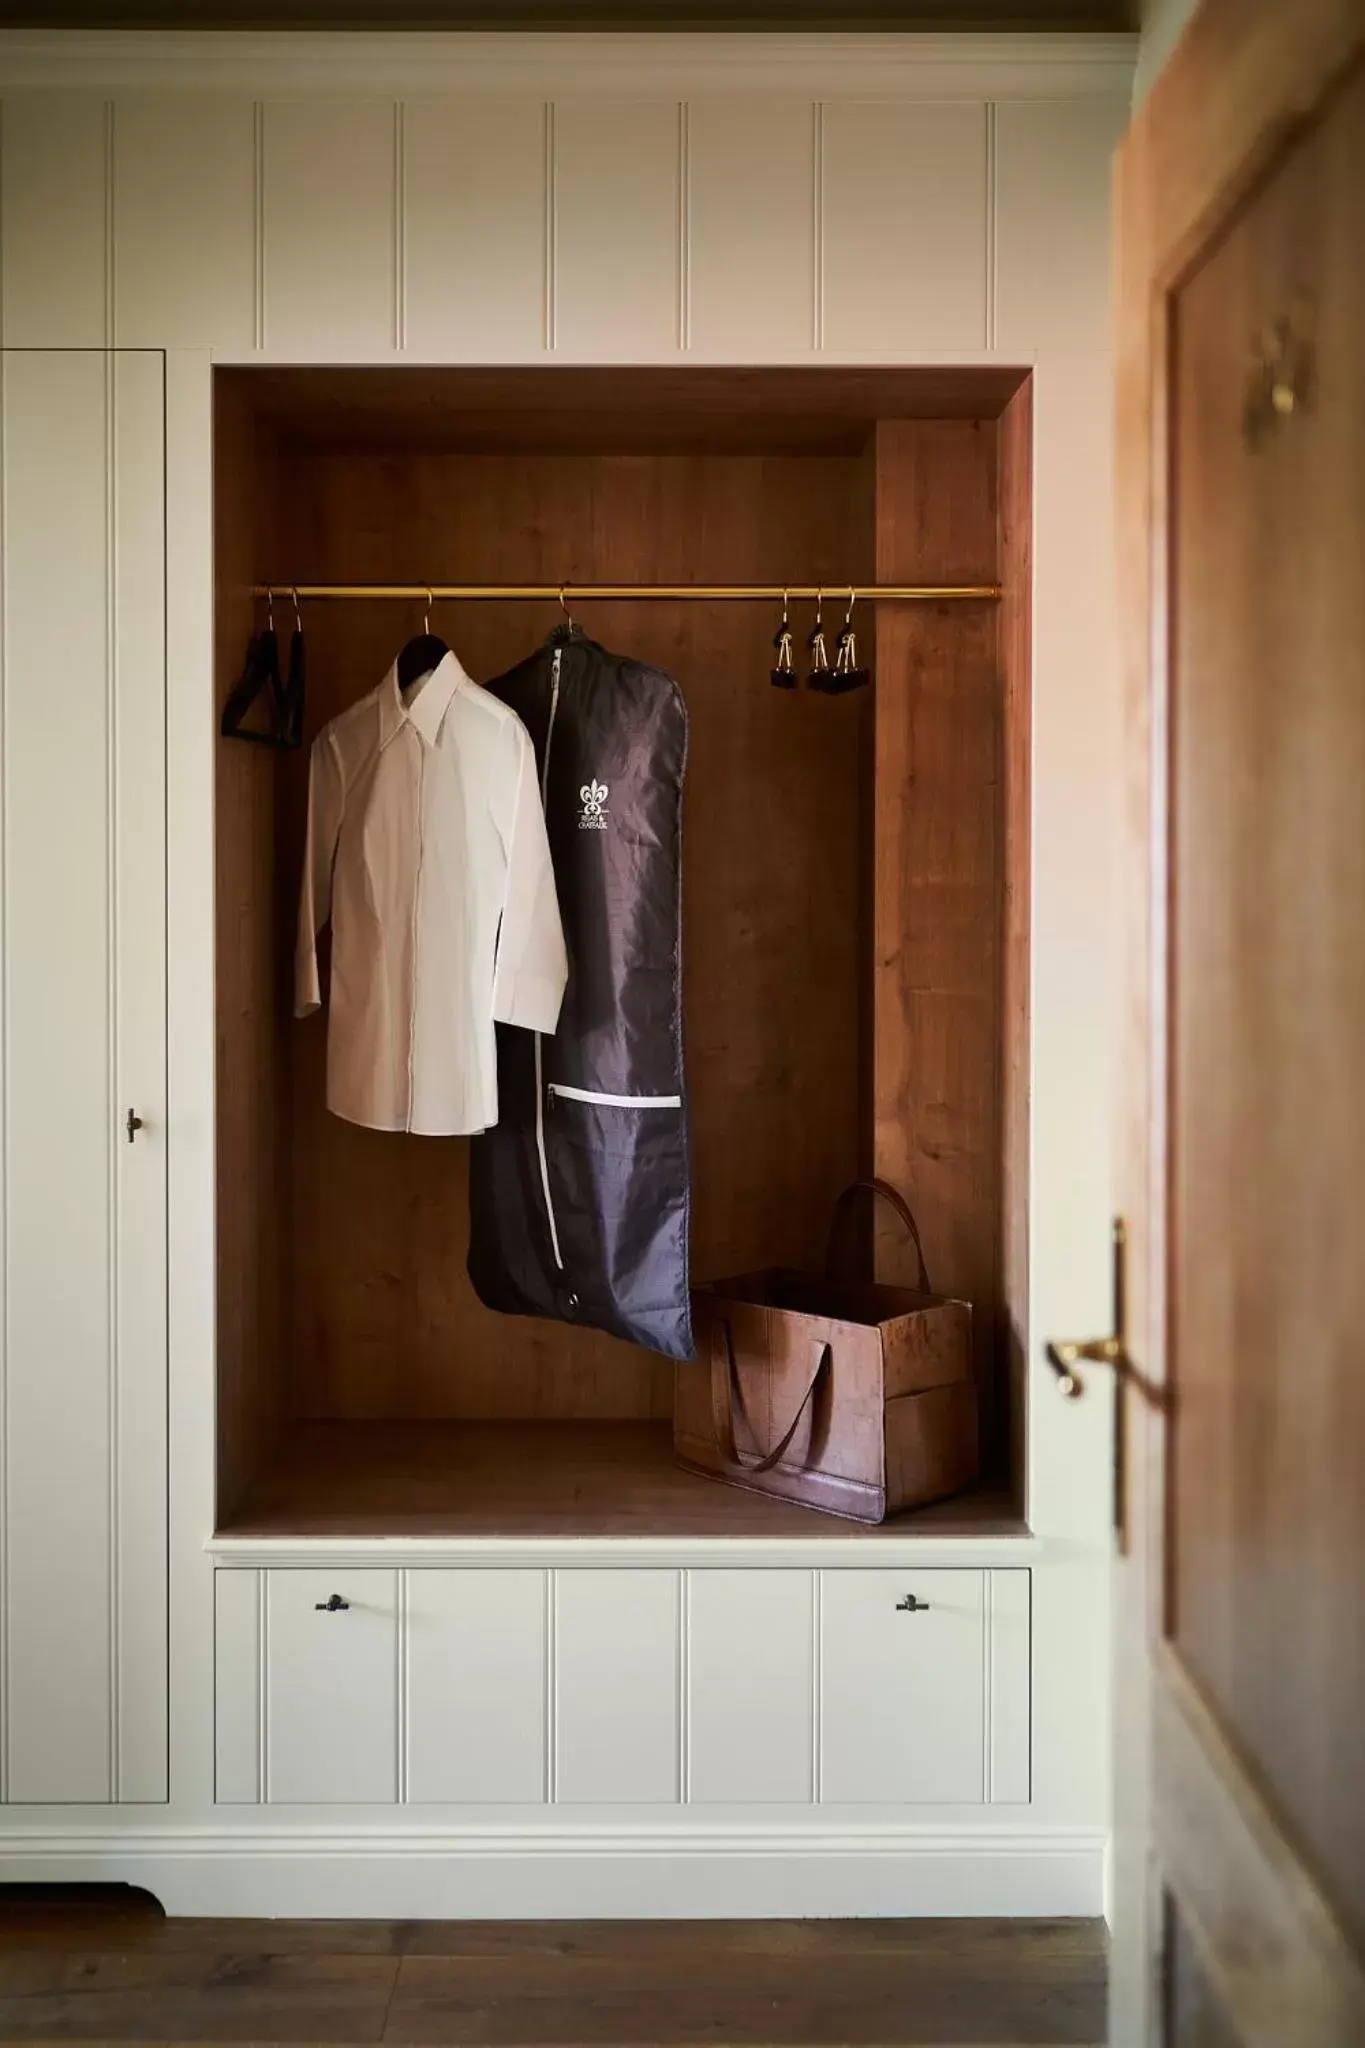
x: 334, y: 1604
x: 910, y: 1605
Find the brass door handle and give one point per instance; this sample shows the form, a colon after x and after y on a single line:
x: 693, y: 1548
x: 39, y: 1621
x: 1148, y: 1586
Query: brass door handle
x: 1066, y: 1353
x: 1282, y: 375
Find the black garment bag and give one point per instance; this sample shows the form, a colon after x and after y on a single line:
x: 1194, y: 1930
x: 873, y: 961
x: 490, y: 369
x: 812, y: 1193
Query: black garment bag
x: 580, y: 1198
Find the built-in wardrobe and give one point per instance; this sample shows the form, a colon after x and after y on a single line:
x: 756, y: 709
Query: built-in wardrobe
x: 855, y: 946
x: 325, y: 1590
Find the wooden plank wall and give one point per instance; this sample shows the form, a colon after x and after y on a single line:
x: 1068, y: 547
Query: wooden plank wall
x: 939, y: 879
x: 382, y: 1320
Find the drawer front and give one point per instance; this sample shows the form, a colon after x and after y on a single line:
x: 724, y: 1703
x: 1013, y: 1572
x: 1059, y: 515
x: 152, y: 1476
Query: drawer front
x: 316, y: 1655
x: 714, y: 1687
x: 923, y: 1701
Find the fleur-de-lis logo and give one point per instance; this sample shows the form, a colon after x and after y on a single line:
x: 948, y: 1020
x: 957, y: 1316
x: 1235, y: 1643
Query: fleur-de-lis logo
x: 593, y: 816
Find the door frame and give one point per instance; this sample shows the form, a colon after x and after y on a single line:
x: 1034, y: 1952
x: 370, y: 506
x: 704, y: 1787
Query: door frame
x: 1247, y: 75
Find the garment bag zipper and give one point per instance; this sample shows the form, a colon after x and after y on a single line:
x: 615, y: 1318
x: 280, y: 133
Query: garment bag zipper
x: 540, y: 1062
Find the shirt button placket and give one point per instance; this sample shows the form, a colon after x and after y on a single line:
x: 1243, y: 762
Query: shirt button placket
x: 416, y: 926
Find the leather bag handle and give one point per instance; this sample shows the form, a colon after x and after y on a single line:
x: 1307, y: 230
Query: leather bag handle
x: 843, y: 1208
x: 723, y: 1402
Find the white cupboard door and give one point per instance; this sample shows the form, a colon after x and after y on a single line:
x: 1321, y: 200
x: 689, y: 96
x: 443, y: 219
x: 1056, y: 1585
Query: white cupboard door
x: 331, y: 1687
x: 616, y: 1684
x: 750, y: 1686
x: 902, y: 1663
x: 476, y: 1686
x: 83, y: 1513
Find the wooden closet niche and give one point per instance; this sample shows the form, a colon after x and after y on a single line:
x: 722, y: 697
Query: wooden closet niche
x: 855, y: 909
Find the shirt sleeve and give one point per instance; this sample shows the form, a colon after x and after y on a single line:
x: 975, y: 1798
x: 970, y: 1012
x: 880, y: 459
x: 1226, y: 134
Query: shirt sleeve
x: 325, y: 804
x: 532, y: 964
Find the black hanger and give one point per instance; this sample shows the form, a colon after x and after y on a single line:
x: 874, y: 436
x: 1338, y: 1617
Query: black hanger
x: 261, y: 673
x: 421, y: 654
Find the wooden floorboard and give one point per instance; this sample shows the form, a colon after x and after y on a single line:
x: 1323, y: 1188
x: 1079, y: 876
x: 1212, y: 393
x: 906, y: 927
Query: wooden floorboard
x: 110, y: 1968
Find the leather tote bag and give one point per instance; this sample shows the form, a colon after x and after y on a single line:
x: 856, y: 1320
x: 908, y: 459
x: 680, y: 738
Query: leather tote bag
x: 840, y: 1394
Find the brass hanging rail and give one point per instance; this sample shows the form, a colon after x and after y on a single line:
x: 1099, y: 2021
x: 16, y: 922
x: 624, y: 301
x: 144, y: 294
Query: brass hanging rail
x: 592, y: 593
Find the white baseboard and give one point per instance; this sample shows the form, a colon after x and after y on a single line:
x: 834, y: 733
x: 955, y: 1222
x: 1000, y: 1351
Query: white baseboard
x: 386, y: 1873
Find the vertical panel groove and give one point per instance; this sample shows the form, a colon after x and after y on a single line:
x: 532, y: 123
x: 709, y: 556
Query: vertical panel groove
x: 818, y: 225
x: 684, y: 226
x: 1028, y: 1676
x: 992, y: 215
x: 684, y: 1686
x: 551, y: 1687
x: 400, y: 227
x: 258, y: 222
x: 109, y: 239
x: 551, y: 230
x: 263, y: 1688
x: 987, y: 1687
x: 111, y: 941
x: 817, y: 1611
x: 400, y: 1691
x: 4, y: 1091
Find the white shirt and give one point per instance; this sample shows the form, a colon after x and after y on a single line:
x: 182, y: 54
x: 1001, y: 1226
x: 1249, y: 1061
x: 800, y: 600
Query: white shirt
x: 427, y: 851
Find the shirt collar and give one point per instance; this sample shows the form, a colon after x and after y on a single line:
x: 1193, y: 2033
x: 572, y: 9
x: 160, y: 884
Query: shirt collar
x: 428, y: 708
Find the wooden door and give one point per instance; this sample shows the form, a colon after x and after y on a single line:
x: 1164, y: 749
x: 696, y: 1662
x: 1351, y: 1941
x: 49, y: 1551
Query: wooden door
x: 1239, y: 1792
x: 83, y: 1515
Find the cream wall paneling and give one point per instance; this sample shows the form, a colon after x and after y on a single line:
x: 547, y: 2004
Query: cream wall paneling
x: 753, y: 221
x: 55, y: 251
x: 83, y: 1527
x: 185, y: 185
x: 329, y: 228
x: 618, y: 237
x: 905, y: 232
x: 476, y: 201
x: 640, y: 1686
x: 1051, y: 242
x: 459, y: 229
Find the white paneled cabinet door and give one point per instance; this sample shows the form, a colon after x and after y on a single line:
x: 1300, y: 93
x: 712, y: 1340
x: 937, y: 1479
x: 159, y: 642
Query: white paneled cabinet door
x: 904, y: 1714
x: 83, y: 1522
x: 331, y: 1687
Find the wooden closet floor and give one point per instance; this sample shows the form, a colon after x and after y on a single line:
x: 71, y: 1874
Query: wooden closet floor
x: 538, y: 1479
x: 114, y: 1970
